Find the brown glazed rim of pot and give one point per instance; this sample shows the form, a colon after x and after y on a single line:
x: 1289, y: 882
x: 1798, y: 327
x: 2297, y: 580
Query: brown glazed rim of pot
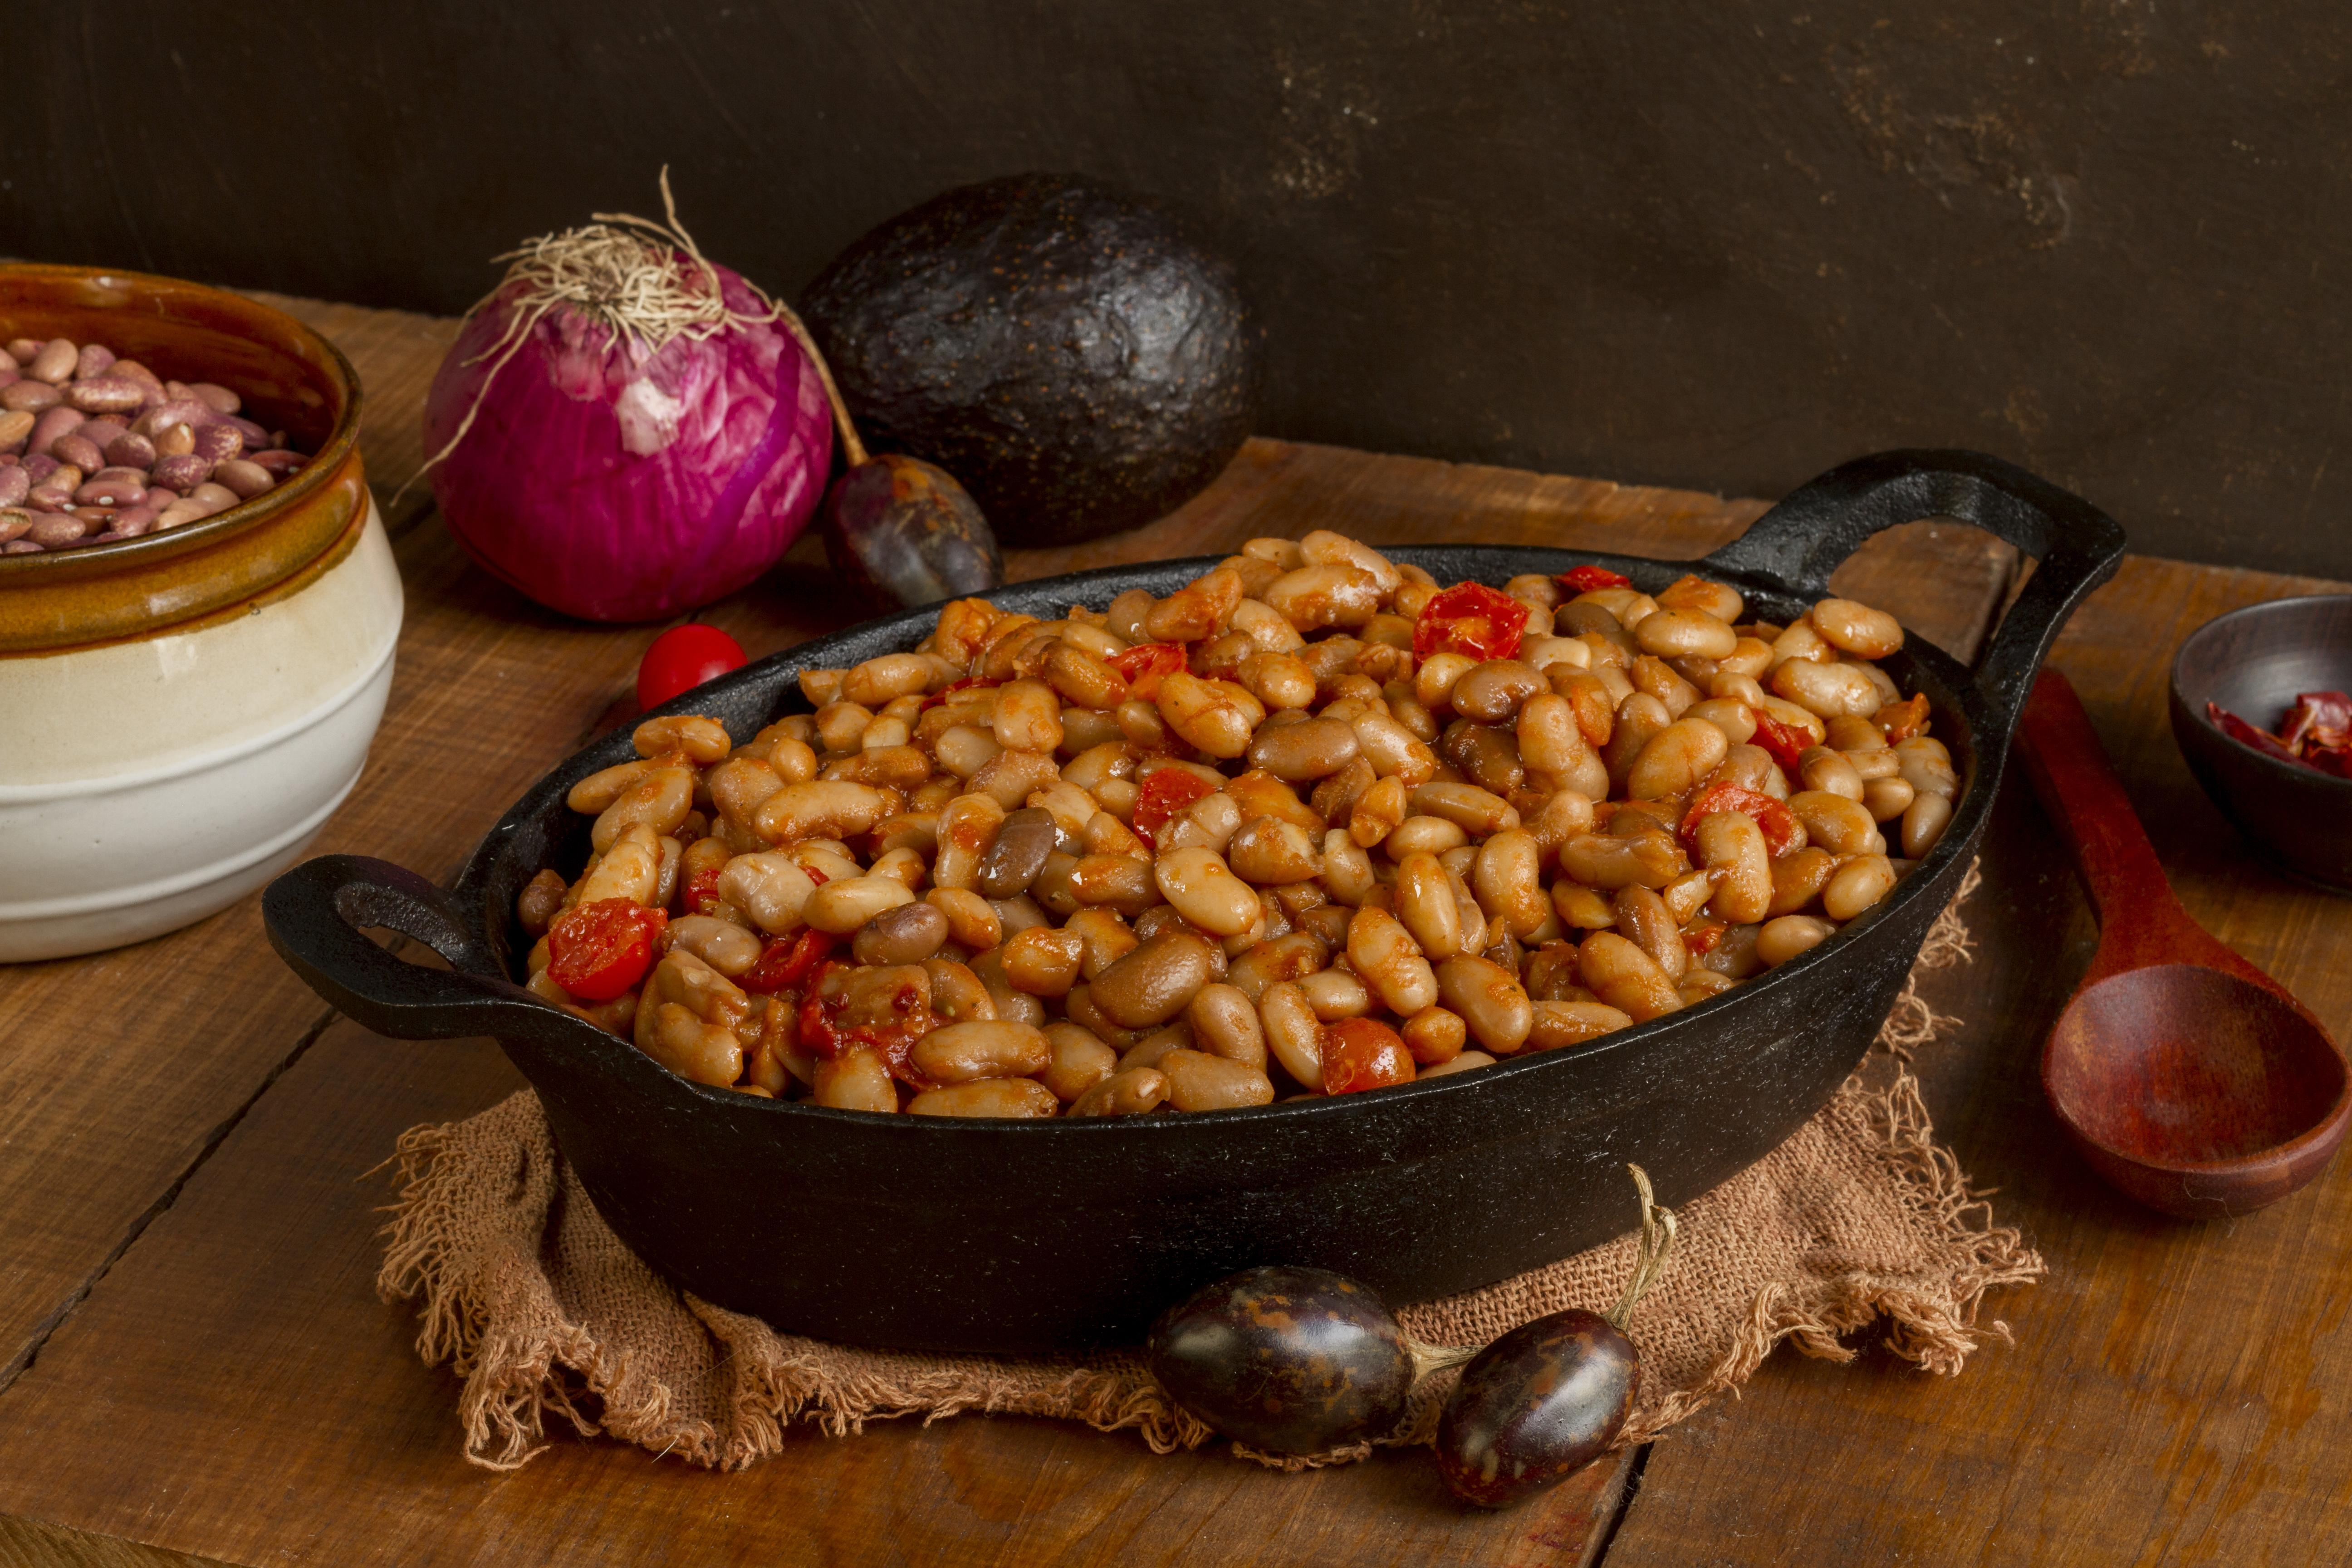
x: 31, y: 293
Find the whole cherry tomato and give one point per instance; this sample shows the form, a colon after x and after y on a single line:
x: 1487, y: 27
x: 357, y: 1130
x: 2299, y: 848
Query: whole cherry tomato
x: 1471, y: 619
x: 595, y: 952
x: 1592, y: 579
x: 1364, y: 1053
x: 1166, y: 794
x: 682, y: 658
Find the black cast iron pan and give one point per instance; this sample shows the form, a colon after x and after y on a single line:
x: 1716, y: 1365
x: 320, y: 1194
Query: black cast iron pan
x: 938, y: 1235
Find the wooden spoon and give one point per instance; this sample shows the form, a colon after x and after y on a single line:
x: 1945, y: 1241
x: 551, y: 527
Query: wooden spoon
x: 2188, y: 1078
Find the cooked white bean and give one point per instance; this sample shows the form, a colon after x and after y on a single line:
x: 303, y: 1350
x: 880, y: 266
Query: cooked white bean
x: 840, y: 907
x: 1783, y: 939
x: 1827, y: 689
x: 1205, y: 891
x: 1294, y: 1034
x: 1839, y: 824
x: 1856, y: 885
x: 960, y: 1053
x: 998, y: 1097
x: 1923, y: 821
x: 1384, y: 955
x: 1856, y: 628
x: 1490, y: 1000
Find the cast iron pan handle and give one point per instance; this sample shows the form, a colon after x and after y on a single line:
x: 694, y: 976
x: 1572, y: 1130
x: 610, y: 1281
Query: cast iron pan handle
x: 1796, y: 545
x: 314, y: 912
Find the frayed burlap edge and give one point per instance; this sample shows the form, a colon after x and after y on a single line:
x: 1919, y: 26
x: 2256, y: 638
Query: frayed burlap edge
x: 490, y: 1310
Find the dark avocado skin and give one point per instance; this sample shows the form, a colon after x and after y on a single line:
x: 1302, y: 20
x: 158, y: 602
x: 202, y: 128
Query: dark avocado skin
x: 1293, y: 1360
x: 898, y: 533
x: 1061, y: 347
x: 1536, y: 1406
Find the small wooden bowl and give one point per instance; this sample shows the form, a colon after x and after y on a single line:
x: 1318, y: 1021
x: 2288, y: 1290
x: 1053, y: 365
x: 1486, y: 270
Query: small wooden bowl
x: 2254, y: 662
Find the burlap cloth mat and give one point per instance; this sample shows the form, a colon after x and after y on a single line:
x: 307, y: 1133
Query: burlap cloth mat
x: 541, y: 1310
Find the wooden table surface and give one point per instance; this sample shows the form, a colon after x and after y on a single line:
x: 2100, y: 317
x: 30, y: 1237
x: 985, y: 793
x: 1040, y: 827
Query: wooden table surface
x: 193, y: 1366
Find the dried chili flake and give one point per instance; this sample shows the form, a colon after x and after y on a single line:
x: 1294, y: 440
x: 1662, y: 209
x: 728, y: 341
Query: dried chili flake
x: 1165, y: 795
x: 1592, y: 579
x: 1470, y: 619
x: 597, y: 950
x: 2245, y: 735
x: 1781, y: 832
x: 1145, y: 665
x: 2319, y: 720
x: 2317, y: 732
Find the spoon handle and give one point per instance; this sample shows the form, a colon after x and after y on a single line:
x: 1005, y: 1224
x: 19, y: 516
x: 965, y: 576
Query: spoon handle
x: 2079, y: 789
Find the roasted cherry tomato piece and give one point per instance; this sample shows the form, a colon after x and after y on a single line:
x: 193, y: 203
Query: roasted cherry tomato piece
x: 823, y: 1033
x: 1470, y: 619
x: 682, y: 658
x: 818, y: 1033
x: 1778, y: 823
x: 1901, y: 720
x: 1592, y: 579
x: 786, y: 963
x: 1786, y: 743
x: 1145, y: 664
x: 1364, y: 1053
x: 596, y: 951
x: 1165, y: 795
x: 701, y: 891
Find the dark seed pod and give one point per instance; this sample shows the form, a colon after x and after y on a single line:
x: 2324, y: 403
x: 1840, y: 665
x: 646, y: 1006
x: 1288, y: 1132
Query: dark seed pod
x: 901, y: 532
x: 1547, y: 1398
x: 1536, y: 1406
x: 1293, y: 1360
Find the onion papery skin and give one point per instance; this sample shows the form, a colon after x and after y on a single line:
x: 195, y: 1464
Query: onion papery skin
x: 733, y: 441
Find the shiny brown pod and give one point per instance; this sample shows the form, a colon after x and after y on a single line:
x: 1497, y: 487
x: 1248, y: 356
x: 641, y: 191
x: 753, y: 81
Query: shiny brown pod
x: 1536, y: 1406
x: 1293, y: 1360
x: 899, y: 531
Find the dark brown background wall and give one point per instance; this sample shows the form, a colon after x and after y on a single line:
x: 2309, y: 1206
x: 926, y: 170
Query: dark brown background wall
x: 1710, y: 242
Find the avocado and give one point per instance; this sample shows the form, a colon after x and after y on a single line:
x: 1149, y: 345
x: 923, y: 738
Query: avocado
x: 1061, y: 347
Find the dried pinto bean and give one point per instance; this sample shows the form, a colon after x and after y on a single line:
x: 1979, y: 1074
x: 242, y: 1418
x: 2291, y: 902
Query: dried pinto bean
x: 1022, y: 841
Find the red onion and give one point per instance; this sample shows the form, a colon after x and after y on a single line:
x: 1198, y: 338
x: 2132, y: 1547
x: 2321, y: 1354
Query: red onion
x: 624, y: 431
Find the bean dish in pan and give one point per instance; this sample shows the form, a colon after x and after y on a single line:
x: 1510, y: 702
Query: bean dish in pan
x: 1310, y: 824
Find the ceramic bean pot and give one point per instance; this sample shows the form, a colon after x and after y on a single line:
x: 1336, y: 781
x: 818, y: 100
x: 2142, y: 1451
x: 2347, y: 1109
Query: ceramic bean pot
x: 180, y: 712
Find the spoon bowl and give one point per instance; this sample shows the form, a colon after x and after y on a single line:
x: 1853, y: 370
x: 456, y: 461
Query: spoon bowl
x: 2195, y: 1091
x: 2191, y: 1081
